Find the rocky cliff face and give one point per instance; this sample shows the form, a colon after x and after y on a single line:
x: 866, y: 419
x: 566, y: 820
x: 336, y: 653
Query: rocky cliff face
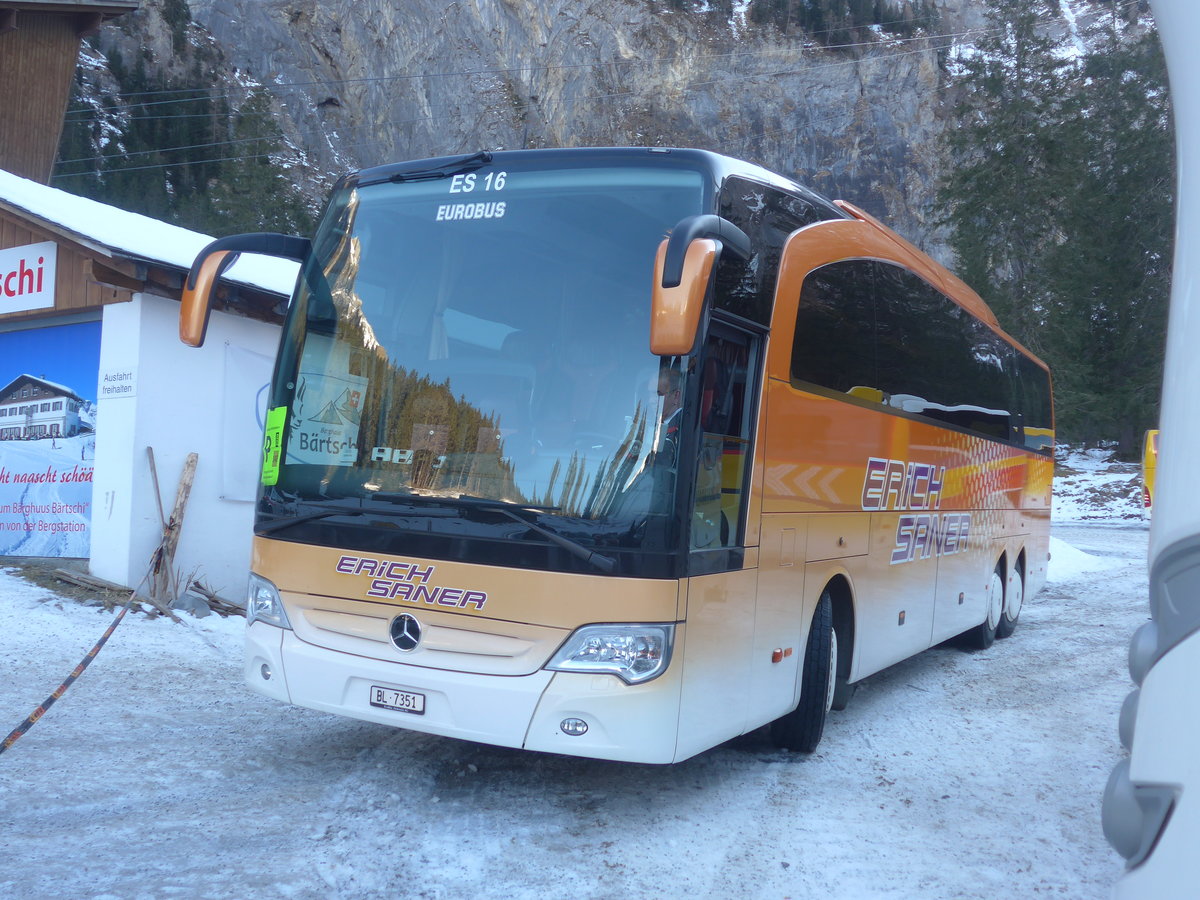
x: 370, y: 81
x: 362, y: 82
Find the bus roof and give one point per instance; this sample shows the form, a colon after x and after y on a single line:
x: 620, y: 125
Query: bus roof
x: 719, y: 167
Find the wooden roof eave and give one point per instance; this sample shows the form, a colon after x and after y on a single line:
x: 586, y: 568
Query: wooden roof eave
x: 83, y: 242
x: 106, y: 8
x: 127, y: 271
x: 231, y: 296
x: 88, y: 17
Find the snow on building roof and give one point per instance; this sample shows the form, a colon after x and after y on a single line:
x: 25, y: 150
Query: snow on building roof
x: 52, y: 385
x: 133, y: 235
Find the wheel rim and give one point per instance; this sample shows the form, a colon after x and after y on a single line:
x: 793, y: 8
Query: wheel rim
x: 1016, y: 598
x: 832, y: 679
x: 995, y: 600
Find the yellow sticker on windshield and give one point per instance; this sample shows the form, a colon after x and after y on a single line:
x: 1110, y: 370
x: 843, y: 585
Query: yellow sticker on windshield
x: 273, y: 444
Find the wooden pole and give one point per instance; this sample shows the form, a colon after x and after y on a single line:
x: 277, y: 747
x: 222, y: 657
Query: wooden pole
x: 162, y: 519
x: 162, y: 585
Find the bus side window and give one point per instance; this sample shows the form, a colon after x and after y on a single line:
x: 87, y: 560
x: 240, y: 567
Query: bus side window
x: 931, y: 349
x: 768, y: 216
x: 914, y: 337
x: 883, y: 335
x: 1033, y: 387
x: 835, y: 339
x: 724, y: 443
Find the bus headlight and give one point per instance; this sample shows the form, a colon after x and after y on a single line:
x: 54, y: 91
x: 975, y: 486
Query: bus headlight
x: 634, y: 653
x: 264, y: 605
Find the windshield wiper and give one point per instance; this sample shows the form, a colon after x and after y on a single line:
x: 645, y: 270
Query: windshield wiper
x: 454, y: 504
x: 447, y: 170
x: 599, y: 560
x: 345, y: 510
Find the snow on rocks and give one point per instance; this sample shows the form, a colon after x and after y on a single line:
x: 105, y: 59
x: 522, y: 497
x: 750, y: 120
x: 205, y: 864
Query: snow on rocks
x: 1089, y: 486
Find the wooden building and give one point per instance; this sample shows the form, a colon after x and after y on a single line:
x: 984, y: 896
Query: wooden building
x: 85, y: 275
x: 79, y: 270
x: 39, y: 48
x: 89, y: 312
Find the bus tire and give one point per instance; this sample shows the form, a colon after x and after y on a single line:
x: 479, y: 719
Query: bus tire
x: 1014, y: 597
x: 842, y: 690
x: 801, y: 729
x: 983, y: 635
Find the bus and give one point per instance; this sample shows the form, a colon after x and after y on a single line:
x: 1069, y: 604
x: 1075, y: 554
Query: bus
x: 623, y: 453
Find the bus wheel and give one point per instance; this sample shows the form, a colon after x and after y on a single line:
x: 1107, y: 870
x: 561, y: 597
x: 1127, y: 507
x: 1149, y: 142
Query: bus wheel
x: 801, y: 729
x: 842, y: 690
x: 984, y: 634
x: 1014, y: 598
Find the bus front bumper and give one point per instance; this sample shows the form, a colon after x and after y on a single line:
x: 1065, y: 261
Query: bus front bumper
x: 630, y: 723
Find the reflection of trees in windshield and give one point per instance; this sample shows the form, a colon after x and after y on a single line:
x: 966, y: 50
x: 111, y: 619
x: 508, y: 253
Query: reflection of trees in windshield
x: 596, y: 493
x: 419, y: 434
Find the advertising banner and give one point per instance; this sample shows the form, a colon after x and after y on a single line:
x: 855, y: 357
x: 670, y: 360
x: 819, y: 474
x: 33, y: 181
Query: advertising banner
x: 326, y: 413
x: 47, y: 439
x: 27, y: 277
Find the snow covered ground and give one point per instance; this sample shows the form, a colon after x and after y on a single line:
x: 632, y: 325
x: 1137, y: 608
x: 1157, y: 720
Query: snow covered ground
x: 951, y: 775
x: 1090, y: 487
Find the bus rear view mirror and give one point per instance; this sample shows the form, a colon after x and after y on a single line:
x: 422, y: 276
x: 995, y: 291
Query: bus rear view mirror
x: 200, y: 286
x: 675, y: 311
x: 682, y: 272
x: 198, y: 289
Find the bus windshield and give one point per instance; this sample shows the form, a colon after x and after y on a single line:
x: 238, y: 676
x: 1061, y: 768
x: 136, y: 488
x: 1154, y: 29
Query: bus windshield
x: 475, y: 336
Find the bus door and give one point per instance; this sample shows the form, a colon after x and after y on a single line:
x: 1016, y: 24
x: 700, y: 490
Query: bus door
x: 719, y: 694
x: 965, y: 539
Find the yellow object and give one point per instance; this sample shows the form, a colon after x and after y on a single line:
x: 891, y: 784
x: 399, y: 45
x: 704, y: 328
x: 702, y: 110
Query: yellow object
x: 1149, y: 462
x: 273, y: 444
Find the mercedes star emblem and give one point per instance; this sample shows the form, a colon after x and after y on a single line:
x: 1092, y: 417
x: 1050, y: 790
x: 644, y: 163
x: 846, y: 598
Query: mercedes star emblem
x: 405, y: 632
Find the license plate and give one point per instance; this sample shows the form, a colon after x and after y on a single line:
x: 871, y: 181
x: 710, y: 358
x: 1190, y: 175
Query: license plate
x: 401, y: 701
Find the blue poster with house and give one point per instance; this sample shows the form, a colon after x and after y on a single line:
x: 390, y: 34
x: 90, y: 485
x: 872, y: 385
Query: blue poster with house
x: 47, y: 439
